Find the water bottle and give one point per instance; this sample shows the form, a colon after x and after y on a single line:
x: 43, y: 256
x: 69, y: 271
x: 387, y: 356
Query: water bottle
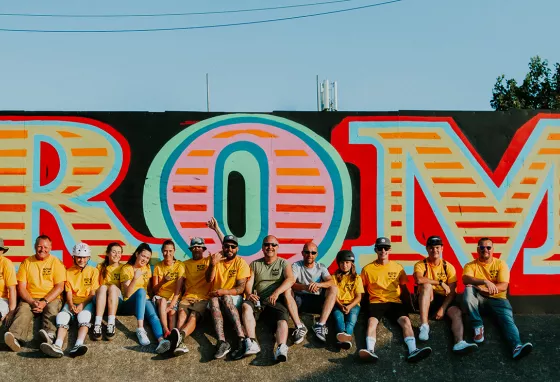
x: 258, y: 303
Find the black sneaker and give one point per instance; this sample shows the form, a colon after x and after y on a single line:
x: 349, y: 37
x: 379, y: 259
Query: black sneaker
x: 240, y: 351
x: 78, y: 350
x: 174, y: 338
x: 110, y: 331
x: 419, y: 354
x: 344, y: 345
x: 96, y: 333
x: 299, y: 334
x: 223, y: 349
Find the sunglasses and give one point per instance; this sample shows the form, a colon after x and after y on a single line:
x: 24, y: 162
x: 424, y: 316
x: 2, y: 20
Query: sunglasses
x: 381, y: 248
x: 270, y: 245
x: 232, y: 246
x: 310, y: 252
x: 483, y: 247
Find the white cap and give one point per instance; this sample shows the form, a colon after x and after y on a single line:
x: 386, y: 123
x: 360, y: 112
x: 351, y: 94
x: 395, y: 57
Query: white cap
x: 81, y: 250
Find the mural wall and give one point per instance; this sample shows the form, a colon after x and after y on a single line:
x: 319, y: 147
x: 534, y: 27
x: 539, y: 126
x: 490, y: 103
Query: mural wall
x: 338, y: 179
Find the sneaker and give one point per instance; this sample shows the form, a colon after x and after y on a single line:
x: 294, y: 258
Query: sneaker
x: 463, y: 347
x: 521, y: 351
x: 223, y: 349
x: 180, y: 350
x: 424, y: 334
x: 343, y: 337
x: 163, y: 346
x: 281, y: 354
x: 252, y: 347
x: 344, y: 345
x: 51, y: 350
x: 78, y: 350
x: 368, y: 355
x: 174, y: 338
x: 110, y: 332
x: 240, y: 351
x: 321, y: 331
x: 12, y: 342
x: 46, y: 336
x: 419, y: 354
x: 96, y: 333
x: 479, y: 335
x: 299, y: 334
x: 142, y: 336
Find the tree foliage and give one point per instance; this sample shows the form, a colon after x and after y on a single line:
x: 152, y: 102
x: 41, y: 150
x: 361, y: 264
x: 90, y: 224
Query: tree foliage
x: 540, y: 88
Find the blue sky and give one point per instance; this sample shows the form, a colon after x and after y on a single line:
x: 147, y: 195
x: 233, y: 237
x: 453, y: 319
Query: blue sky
x: 411, y: 55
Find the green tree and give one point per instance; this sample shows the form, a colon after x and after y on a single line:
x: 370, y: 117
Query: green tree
x: 540, y: 89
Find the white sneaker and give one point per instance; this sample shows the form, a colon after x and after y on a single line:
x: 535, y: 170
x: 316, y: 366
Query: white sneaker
x: 281, y: 354
x: 46, y: 336
x: 12, y: 342
x: 142, y: 336
x: 463, y: 347
x: 252, y: 347
x: 424, y: 334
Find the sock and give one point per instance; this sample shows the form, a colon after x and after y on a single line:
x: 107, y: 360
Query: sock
x: 370, y: 343
x: 98, y: 320
x: 59, y: 342
x: 300, y: 325
x: 111, y: 320
x: 411, y: 343
x: 79, y: 342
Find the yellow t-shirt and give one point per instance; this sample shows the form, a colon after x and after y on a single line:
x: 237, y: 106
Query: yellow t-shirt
x: 382, y: 282
x: 127, y: 273
x: 41, y: 275
x: 176, y: 270
x: 195, y: 279
x: 437, y: 273
x: 347, y: 289
x: 497, y: 271
x: 113, y: 275
x: 7, y: 276
x: 81, y: 282
x: 228, y: 273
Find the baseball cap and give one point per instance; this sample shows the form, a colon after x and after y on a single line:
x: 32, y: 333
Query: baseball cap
x: 434, y: 240
x: 230, y: 238
x: 81, y: 250
x: 382, y: 242
x: 197, y: 242
x: 5, y: 249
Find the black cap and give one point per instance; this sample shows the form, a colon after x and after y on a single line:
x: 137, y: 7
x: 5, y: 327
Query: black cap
x: 231, y: 239
x: 345, y: 255
x: 434, y: 240
x: 382, y: 242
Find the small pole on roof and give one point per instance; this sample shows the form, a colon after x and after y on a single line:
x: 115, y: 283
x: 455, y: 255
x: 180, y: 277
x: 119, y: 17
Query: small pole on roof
x: 207, y: 93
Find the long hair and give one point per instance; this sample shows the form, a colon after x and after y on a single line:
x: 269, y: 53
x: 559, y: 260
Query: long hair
x: 168, y: 242
x: 141, y: 247
x: 338, y: 274
x: 105, y: 262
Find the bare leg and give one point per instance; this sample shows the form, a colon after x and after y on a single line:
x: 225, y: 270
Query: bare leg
x: 282, y: 332
x: 100, y: 300
x: 82, y: 333
x: 114, y: 293
x: 162, y: 308
x: 454, y: 314
x: 372, y: 327
x: 292, y: 306
x: 61, y: 334
x: 330, y: 300
x: 181, y: 318
x: 249, y: 320
x: 172, y: 318
x: 426, y: 292
x: 234, y: 315
x: 218, y: 318
x: 189, y: 327
x: 406, y: 326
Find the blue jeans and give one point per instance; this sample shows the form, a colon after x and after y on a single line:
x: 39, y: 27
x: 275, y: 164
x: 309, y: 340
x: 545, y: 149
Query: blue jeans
x: 345, y: 322
x: 500, y: 307
x: 139, y: 306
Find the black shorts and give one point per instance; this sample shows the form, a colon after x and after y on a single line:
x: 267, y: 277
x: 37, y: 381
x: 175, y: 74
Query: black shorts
x: 437, y: 302
x: 310, y: 303
x: 278, y: 311
x: 391, y: 310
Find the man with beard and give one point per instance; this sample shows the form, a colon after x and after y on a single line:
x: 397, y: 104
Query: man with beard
x: 271, y: 277
x: 228, y: 273
x: 41, y: 280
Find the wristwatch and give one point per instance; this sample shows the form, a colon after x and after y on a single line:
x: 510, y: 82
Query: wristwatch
x: 440, y: 282
x: 44, y: 299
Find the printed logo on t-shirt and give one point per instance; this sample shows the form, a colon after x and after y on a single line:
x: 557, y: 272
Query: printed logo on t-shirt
x: 116, y: 276
x: 441, y: 275
x: 275, y: 272
x: 392, y: 275
x: 47, y: 271
x: 200, y: 267
x: 493, y: 273
x: 173, y: 275
x: 87, y: 281
x: 349, y: 287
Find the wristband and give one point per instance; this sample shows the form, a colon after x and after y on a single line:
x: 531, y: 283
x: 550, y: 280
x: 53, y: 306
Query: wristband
x: 440, y: 282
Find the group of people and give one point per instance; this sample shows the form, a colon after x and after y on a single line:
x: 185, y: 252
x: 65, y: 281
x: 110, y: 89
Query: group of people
x: 176, y: 295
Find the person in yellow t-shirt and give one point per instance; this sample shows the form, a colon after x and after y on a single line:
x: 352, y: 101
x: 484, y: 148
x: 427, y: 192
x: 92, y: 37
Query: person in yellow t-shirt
x: 486, y: 282
x: 135, y: 280
x: 350, y: 291
x: 195, y: 299
x: 8, y: 283
x: 82, y: 281
x: 385, y: 280
x: 109, y: 293
x: 41, y: 280
x: 228, y: 274
x: 164, y: 280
